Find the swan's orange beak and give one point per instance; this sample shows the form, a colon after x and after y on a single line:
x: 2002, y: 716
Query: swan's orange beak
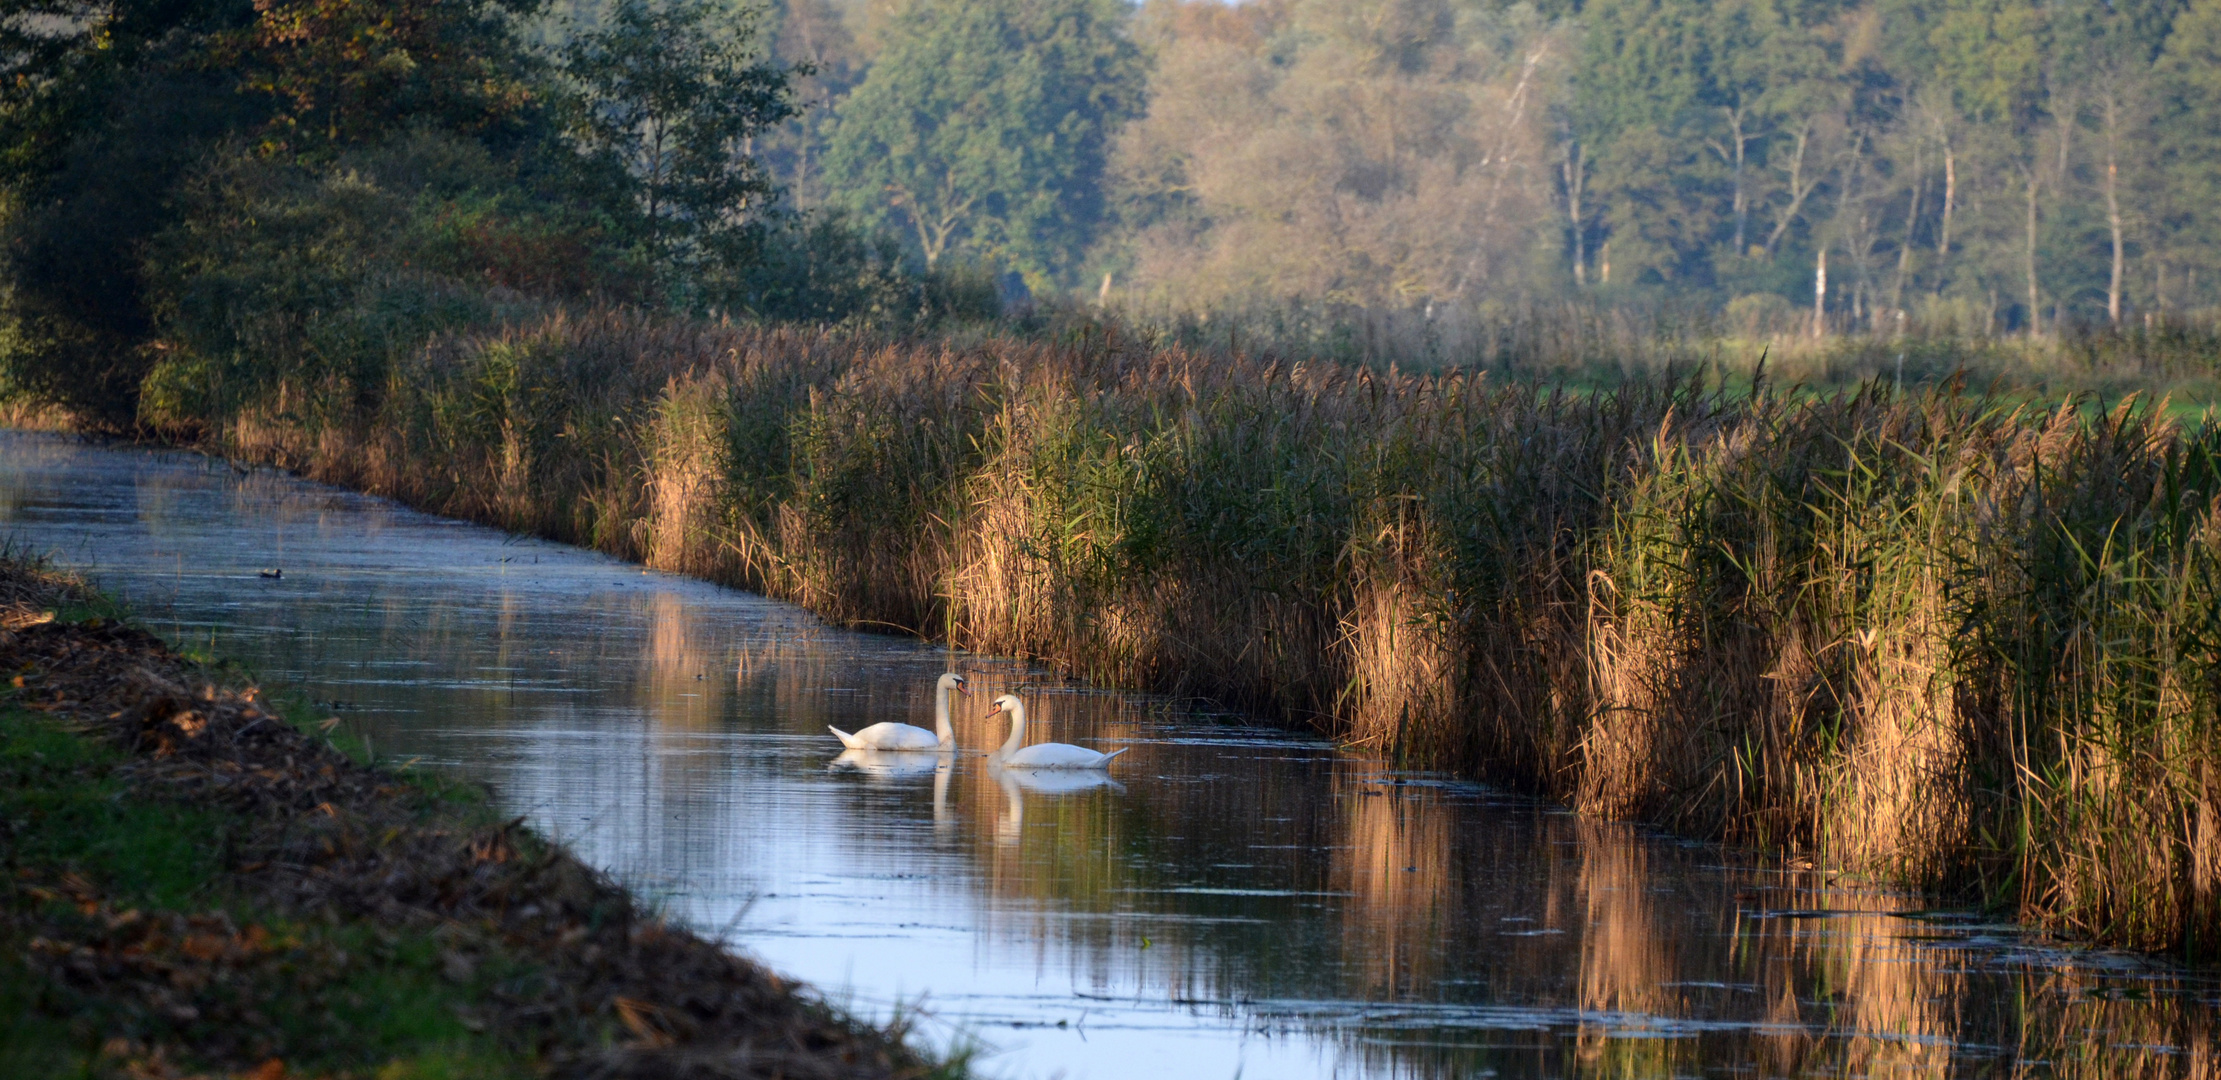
x: 993, y: 711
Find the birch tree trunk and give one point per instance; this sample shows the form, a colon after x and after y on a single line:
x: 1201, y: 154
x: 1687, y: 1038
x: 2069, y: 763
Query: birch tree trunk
x: 2028, y: 257
x: 1820, y: 294
x: 1950, y: 202
x: 1912, y: 221
x: 2112, y: 119
x: 1575, y: 170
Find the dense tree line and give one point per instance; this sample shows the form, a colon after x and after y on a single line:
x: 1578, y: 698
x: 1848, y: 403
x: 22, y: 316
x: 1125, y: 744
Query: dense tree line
x: 200, y: 196
x: 206, y: 203
x: 1999, y: 165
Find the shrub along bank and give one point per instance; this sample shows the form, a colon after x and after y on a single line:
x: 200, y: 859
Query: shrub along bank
x: 1959, y: 643
x: 193, y: 883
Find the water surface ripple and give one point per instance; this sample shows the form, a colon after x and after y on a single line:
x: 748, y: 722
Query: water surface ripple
x: 1234, y: 903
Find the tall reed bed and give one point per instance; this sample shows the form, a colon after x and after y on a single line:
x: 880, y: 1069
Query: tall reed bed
x: 1932, y: 636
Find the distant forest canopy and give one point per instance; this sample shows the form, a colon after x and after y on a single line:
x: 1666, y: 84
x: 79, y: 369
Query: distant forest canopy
x: 1989, y: 165
x: 209, y: 203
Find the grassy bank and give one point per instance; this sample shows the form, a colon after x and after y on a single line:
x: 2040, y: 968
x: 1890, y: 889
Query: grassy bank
x: 1600, y: 345
x: 1933, y: 635
x: 196, y: 885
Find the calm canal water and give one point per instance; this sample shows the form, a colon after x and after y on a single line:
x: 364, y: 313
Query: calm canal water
x: 1234, y: 902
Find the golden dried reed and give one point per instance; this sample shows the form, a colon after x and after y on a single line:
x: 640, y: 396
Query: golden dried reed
x: 1971, y: 647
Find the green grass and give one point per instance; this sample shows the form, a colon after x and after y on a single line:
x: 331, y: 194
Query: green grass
x: 323, y: 996
x: 68, y: 814
x: 1597, y: 347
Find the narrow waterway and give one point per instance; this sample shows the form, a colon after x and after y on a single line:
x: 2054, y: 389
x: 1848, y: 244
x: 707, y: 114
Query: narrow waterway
x: 1230, y: 902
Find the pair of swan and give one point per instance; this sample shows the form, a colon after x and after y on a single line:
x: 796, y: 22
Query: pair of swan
x: 1014, y: 754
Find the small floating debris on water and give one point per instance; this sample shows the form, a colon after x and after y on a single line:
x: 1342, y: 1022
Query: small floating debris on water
x: 273, y: 574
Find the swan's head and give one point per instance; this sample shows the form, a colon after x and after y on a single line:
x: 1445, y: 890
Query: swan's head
x: 1006, y: 703
x: 953, y: 681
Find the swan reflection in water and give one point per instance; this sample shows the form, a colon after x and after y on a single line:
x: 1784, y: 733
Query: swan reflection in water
x: 1016, y: 783
x: 883, y: 768
x: 887, y: 765
x: 887, y: 768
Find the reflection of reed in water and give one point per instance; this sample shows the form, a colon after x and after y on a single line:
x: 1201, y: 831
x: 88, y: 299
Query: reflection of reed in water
x: 794, y: 650
x: 1614, y: 941
x: 675, y: 684
x: 1395, y: 861
x: 1628, y: 955
x: 22, y: 485
x: 790, y: 673
x: 1639, y: 933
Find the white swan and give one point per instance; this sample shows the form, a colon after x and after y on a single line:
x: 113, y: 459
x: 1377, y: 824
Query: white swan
x: 1015, y: 755
x: 892, y: 736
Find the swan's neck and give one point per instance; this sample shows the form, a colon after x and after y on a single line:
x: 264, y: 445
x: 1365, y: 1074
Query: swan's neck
x: 944, y: 730
x: 1017, y: 730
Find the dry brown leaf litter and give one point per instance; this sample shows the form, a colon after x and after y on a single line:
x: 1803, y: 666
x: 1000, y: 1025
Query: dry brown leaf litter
x: 616, y: 993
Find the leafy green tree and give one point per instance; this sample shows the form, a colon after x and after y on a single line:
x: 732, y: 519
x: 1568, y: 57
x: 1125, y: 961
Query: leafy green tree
x: 105, y: 107
x: 1641, y: 109
x: 1992, y: 55
x: 983, y: 128
x: 829, y: 60
x: 674, y: 94
x: 1365, y: 152
x: 340, y: 73
x: 1766, y: 79
x: 2188, y: 77
x: 108, y: 112
x: 97, y: 111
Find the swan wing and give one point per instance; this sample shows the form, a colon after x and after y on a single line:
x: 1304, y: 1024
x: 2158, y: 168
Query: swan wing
x: 1057, y: 756
x: 891, y: 736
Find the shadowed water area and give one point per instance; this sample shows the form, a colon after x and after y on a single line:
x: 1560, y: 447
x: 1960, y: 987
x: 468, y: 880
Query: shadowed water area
x: 1232, y: 901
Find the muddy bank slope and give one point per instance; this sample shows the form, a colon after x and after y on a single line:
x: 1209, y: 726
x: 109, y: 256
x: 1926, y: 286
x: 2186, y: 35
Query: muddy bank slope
x: 198, y: 884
